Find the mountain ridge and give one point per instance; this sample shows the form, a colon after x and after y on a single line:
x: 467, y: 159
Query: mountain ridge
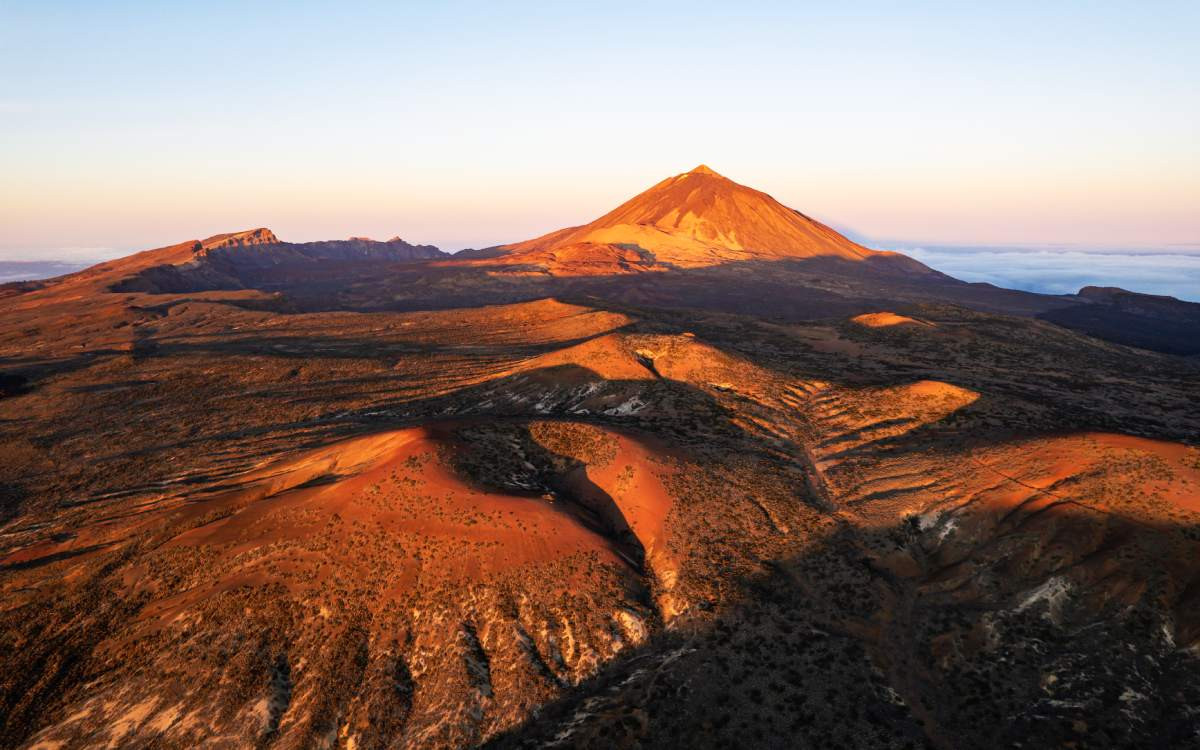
x: 695, y: 239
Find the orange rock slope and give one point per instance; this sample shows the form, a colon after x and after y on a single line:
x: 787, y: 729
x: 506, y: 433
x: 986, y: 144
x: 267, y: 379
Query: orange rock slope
x: 695, y: 219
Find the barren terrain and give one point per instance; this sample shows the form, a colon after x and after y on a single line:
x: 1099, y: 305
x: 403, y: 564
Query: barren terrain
x: 325, y: 506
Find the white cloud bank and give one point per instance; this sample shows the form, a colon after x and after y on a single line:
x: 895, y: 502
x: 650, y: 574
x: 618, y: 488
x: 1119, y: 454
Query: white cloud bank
x: 1173, y: 271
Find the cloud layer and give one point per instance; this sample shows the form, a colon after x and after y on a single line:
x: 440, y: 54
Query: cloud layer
x: 34, y: 269
x: 1057, y: 271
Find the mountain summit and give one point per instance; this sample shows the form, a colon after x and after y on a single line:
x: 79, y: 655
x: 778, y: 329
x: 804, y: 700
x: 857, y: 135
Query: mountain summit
x: 698, y: 218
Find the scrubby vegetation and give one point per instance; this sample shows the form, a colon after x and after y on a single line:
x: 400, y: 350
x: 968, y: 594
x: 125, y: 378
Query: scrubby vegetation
x: 227, y: 525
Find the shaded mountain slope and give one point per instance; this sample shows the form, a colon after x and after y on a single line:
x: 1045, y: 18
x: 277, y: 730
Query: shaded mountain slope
x: 234, y: 261
x: 1148, y: 321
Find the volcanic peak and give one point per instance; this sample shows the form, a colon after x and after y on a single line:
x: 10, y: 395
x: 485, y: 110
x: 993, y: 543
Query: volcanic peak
x: 697, y: 218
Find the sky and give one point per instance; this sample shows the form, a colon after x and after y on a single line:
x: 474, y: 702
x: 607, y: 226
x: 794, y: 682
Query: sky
x: 128, y: 125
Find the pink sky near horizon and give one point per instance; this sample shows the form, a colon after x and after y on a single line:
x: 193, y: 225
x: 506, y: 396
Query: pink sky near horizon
x: 436, y: 208
x: 133, y: 125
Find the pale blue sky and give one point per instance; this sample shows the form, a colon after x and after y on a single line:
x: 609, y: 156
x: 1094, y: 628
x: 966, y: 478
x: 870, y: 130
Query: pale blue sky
x: 129, y: 125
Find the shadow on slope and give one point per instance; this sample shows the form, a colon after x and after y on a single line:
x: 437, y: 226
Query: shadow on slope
x: 840, y: 647
x: 785, y: 289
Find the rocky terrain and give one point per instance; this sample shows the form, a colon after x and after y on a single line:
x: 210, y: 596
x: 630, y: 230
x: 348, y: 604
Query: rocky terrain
x: 1148, y: 321
x: 701, y: 473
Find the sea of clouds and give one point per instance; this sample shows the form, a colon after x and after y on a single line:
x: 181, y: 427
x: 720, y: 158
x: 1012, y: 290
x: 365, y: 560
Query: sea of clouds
x: 28, y: 270
x: 1174, y: 271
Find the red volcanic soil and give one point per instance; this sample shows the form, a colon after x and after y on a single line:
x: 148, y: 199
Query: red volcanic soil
x: 432, y: 528
x: 400, y: 527
x: 469, y: 532
x: 886, y: 320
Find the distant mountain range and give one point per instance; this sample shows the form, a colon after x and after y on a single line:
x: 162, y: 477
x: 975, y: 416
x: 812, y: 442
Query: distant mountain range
x: 694, y: 240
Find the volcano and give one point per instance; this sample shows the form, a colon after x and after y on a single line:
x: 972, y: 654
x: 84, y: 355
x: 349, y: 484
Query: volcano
x: 692, y: 220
